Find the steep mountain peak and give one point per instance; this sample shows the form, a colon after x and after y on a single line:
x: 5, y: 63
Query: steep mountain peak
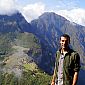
x: 51, y: 15
x: 51, y: 19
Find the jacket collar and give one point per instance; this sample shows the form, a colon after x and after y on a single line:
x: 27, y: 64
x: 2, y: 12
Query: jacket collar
x: 69, y: 51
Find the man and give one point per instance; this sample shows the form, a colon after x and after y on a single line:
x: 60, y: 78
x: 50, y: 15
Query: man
x: 67, y: 64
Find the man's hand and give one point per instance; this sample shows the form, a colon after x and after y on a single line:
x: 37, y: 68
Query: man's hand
x: 53, y: 83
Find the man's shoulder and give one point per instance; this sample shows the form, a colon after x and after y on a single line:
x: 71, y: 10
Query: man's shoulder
x: 57, y: 52
x: 75, y: 55
x: 73, y: 52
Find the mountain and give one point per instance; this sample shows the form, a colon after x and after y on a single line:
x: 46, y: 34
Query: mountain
x: 13, y: 23
x: 47, y: 28
x: 50, y: 26
x: 20, y: 53
x: 19, y: 58
x: 23, y: 44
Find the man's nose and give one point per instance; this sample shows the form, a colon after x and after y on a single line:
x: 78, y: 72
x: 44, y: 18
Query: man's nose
x: 63, y: 42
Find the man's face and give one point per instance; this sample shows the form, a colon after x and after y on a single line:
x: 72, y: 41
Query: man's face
x: 64, y: 42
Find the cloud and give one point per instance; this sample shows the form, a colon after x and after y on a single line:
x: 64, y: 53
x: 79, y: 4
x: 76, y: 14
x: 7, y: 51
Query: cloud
x: 70, y: 11
x: 33, y: 11
x: 8, y: 7
x: 66, y: 4
x: 76, y: 15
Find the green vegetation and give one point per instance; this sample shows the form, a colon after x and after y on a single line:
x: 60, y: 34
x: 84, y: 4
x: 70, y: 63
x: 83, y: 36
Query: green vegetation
x: 27, y: 40
x: 32, y: 78
x: 27, y: 78
x: 30, y: 66
x: 5, y: 45
x: 13, y: 55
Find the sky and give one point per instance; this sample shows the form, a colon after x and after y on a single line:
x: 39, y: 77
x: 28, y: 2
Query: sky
x: 73, y: 10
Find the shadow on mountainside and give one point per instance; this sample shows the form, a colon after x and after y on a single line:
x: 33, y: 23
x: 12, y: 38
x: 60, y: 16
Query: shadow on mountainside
x: 81, y: 80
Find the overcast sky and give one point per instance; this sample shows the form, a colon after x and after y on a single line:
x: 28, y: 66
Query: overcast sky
x: 73, y: 10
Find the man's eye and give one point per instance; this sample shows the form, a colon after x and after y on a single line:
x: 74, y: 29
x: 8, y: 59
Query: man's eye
x: 62, y: 40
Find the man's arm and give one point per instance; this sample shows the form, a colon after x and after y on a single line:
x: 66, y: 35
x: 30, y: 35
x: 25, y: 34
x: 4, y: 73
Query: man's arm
x: 75, y: 78
x: 76, y: 68
x: 53, y: 79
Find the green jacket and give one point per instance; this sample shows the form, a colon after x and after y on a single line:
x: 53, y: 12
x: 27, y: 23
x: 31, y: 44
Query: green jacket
x: 71, y: 64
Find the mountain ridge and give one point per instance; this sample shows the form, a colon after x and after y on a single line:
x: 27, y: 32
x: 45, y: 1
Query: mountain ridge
x: 47, y: 28
x: 61, y: 26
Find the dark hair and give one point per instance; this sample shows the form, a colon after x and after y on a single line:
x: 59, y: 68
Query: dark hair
x: 66, y: 36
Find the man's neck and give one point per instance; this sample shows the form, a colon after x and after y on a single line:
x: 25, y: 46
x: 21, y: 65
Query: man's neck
x: 64, y: 51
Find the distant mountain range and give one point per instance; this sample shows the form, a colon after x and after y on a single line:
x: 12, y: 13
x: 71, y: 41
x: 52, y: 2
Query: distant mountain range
x: 47, y: 28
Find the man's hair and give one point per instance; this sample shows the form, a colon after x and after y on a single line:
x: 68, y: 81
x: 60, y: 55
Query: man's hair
x: 66, y: 36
